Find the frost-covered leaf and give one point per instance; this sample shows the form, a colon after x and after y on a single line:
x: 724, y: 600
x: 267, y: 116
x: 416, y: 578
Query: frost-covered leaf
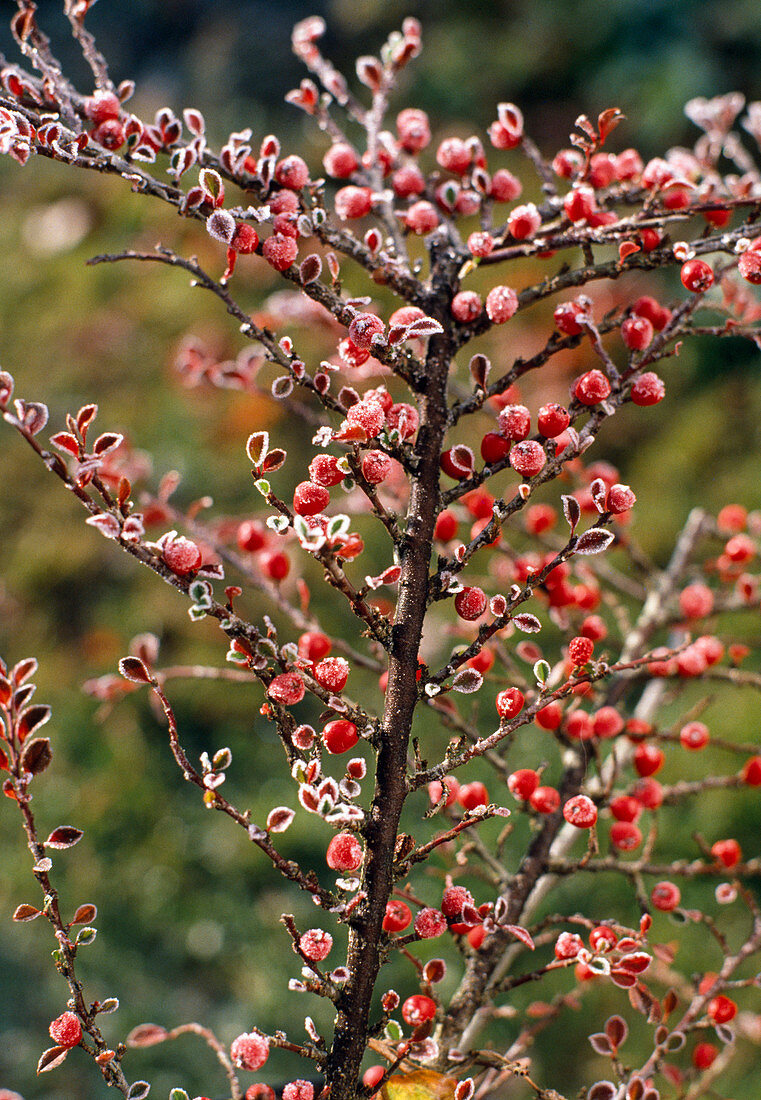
x: 36, y: 755
x: 85, y: 914
x: 571, y: 511
x: 221, y: 226
x: 51, y: 1058
x: 594, y: 541
x: 529, y: 624
x: 424, y: 326
x: 132, y: 668
x: 600, y: 1043
x: 279, y: 819
x: 107, y: 524
x: 146, y: 1035
x: 310, y: 268
x: 257, y: 445
x: 65, y: 836
x: 616, y: 1029
x: 31, y: 719
x: 33, y: 415
x: 138, y: 1090
x: 521, y: 934
x: 599, y: 493
x: 26, y: 913
x: 602, y: 1090
x: 467, y: 681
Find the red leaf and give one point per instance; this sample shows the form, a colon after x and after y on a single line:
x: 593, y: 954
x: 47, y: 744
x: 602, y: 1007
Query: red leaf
x: 31, y: 719
x: 594, y: 541
x: 36, y: 755
x: 109, y: 441
x: 65, y: 442
x: 273, y: 460
x: 522, y: 935
x: 607, y: 122
x: 529, y: 624
x: 146, y: 1035
x: 132, y: 668
x: 51, y: 1058
x: 23, y: 670
x: 26, y: 912
x: 85, y: 914
x: 65, y: 836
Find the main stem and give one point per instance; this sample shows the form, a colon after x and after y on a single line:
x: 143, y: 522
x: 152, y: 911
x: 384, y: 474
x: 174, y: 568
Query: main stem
x: 381, y: 828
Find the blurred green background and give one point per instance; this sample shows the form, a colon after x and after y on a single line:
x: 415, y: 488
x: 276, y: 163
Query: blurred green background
x: 187, y: 909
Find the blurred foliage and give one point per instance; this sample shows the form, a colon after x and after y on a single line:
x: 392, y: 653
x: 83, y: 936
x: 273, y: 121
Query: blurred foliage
x: 187, y: 909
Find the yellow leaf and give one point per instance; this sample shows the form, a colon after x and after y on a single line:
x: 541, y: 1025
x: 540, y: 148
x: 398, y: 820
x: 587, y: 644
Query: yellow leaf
x: 422, y: 1084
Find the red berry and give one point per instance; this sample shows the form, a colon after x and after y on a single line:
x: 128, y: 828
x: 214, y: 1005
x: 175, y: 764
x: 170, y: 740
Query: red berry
x: 579, y: 203
x: 417, y: 1009
x: 501, y: 304
x: 625, y: 807
x: 514, y: 422
x: 648, y: 759
x: 751, y: 773
x: 413, y: 129
x: 648, y: 389
x: 553, y: 419
x: 602, y: 938
x: 340, y: 161
x: 607, y: 721
x: 339, y: 736
x: 324, y: 470
x: 524, y: 221
x: 591, y: 388
x: 250, y: 1051
x: 528, y: 458
x: 721, y: 1009
x: 310, y: 499
x: 466, y: 306
x: 109, y: 134
x: 101, y: 106
x: 625, y: 836
x: 545, y: 800
x: 298, y: 1090
x: 594, y: 627
x: 251, y: 535
x: 580, y: 650
x: 580, y: 811
x: 369, y: 416
x: 480, y: 244
x: 446, y: 526
x: 727, y: 852
x: 280, y: 251
x: 523, y: 783
x: 316, y: 944
x: 376, y: 466
x: 504, y: 186
x: 749, y: 266
x: 648, y: 792
x: 697, y: 276
x: 398, y: 916
x: 292, y: 172
x: 740, y: 549
x: 568, y: 945
x: 332, y: 673
x: 181, y: 555
x: 344, y: 853
x: 568, y: 316
x: 540, y: 518
x: 507, y: 131
x: 408, y: 180
x: 509, y: 703
x: 579, y: 726
x: 470, y: 603
x: 694, y: 736
x: 471, y: 795
x: 704, y: 1055
x: 421, y: 217
x: 314, y: 645
x: 653, y: 311
x: 404, y: 418
x: 66, y: 1030
x: 430, y: 923
x: 435, y: 790
x: 287, y: 688
x: 454, y: 155
x: 275, y: 564
x: 549, y: 717
x: 619, y: 498
x: 353, y: 202
x: 362, y: 329
x: 494, y: 448
x: 245, y: 239
x: 665, y: 896
x: 454, y: 900
x: 636, y: 332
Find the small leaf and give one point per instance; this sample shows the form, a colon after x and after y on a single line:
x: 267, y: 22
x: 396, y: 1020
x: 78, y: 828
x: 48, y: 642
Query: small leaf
x: 26, y: 913
x: 602, y: 1090
x: 422, y: 1084
x: 279, y: 819
x: 178, y: 1094
x: 65, y: 836
x: 467, y: 681
x: 521, y: 934
x: 273, y: 460
x: 6, y: 388
x: 33, y: 415
x: 132, y: 668
x: 51, y: 1058
x: 31, y: 719
x: 726, y: 1034
x: 479, y: 369
x: 64, y: 441
x: 529, y: 624
x: 608, y: 120
x: 594, y: 541
x: 138, y: 1091
x: 257, y: 446
x: 599, y: 493
x: 282, y: 387
x: 571, y: 511
x: 675, y: 1041
x: 310, y: 269
x: 109, y: 441
x: 616, y: 1029
x: 36, y: 755
x: 600, y: 1043
x: 86, y: 936
x: 146, y: 1035
x: 424, y: 326
x: 541, y: 671
x: 85, y: 914
x: 107, y: 524
x: 263, y: 486
x: 108, y: 1006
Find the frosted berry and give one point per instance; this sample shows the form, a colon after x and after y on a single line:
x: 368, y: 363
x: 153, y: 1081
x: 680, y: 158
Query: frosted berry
x: 545, y: 800
x: 480, y: 244
x: 507, y: 131
x: 102, y: 105
x: 340, y: 161
x: 344, y: 853
x: 740, y: 549
x: 524, y: 221
x: 648, y: 389
x: 182, y: 556
x: 368, y: 415
x: 430, y: 923
x: 66, y: 1030
x: 625, y: 836
x: 245, y: 239
x: 569, y: 315
x: 109, y: 134
x: 310, y: 499
x: 332, y: 673
x: 472, y: 795
x: 376, y: 466
x: 292, y: 172
x: 568, y: 945
x: 403, y: 418
x: 398, y: 916
x: 591, y: 388
x: 287, y: 688
x: 454, y: 900
x: 298, y: 1090
x: 470, y: 603
x: 579, y: 203
x: 280, y: 251
x: 362, y: 329
x: 749, y: 266
x: 283, y: 202
x: 466, y: 306
x: 515, y: 422
x: 353, y: 202
x: 504, y: 186
x: 316, y: 944
x: 501, y: 304
x: 602, y: 938
x: 552, y: 420
x: 509, y: 703
x: 250, y: 1051
x: 421, y: 217
x: 636, y: 333
x: 619, y: 498
x: 408, y: 180
x: 324, y: 470
x: 339, y: 736
x: 727, y: 852
x: 580, y: 811
x: 417, y: 1009
x: 665, y: 896
x: 523, y: 783
x: 528, y: 458
x: 413, y: 129
x: 694, y: 736
x: 648, y: 759
x: 580, y: 650
x: 454, y: 155
x: 697, y: 276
